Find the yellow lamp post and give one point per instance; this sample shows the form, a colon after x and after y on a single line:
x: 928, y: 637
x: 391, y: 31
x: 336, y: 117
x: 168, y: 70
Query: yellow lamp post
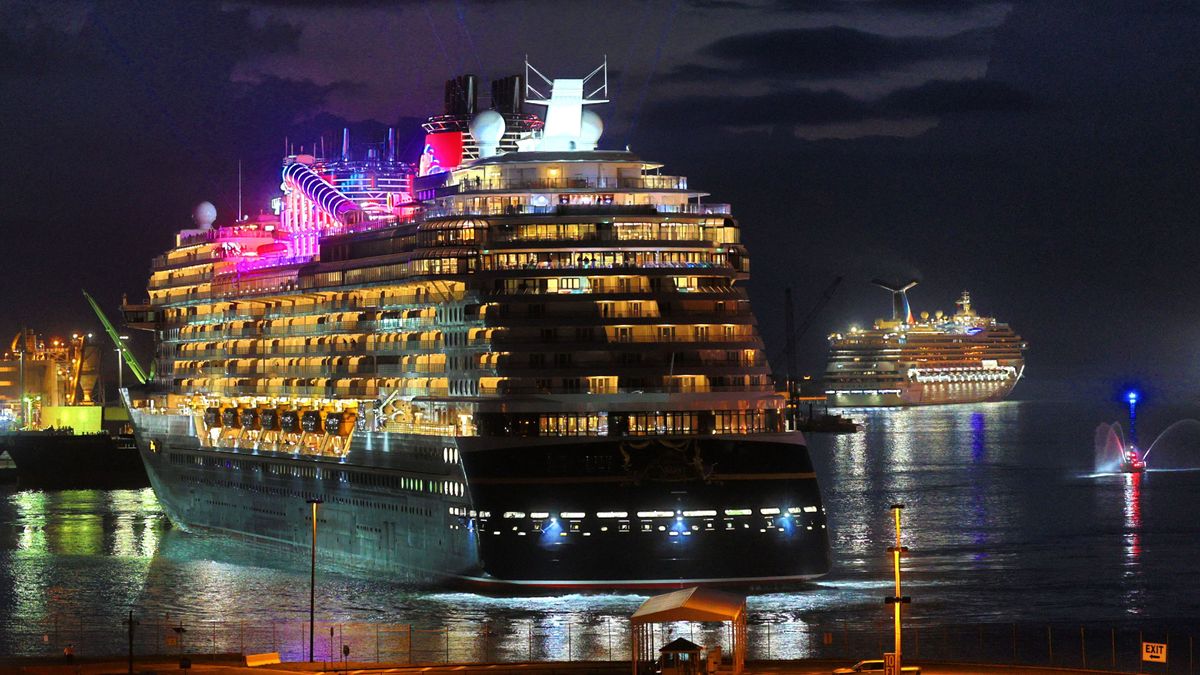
x: 312, y: 585
x: 898, y: 599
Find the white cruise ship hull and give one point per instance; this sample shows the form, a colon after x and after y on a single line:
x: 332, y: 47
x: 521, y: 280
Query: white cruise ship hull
x: 922, y: 393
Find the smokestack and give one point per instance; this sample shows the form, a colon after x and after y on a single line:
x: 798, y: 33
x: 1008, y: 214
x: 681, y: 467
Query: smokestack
x: 507, y: 94
x: 345, y: 144
x: 462, y: 95
x: 391, y: 156
x: 901, y: 311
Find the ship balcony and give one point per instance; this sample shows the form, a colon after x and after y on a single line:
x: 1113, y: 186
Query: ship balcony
x: 510, y: 388
x: 360, y: 370
x: 465, y: 210
x: 580, y: 266
x: 180, y: 280
x: 337, y: 349
x: 646, y: 370
x: 397, y: 302
x: 303, y: 391
x: 656, y: 183
x: 616, y: 291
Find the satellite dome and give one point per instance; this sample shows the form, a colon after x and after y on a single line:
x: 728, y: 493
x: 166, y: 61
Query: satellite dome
x: 487, y: 128
x: 590, y: 128
x: 204, y: 215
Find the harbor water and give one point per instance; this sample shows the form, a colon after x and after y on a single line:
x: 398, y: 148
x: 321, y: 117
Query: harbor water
x: 1007, y: 521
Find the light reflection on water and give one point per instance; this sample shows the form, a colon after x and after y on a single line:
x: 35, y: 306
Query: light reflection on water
x: 1003, y: 518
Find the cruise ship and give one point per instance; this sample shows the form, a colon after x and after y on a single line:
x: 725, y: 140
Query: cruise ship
x: 932, y: 360
x: 516, y: 361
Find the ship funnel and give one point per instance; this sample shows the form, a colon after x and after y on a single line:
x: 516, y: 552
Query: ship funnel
x: 345, y: 144
x: 901, y: 311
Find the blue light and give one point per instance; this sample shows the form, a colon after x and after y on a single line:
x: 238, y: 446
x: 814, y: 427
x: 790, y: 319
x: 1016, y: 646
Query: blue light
x: 1132, y: 396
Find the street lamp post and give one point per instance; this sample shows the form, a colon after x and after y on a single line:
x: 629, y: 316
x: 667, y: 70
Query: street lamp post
x: 312, y: 584
x: 898, y: 599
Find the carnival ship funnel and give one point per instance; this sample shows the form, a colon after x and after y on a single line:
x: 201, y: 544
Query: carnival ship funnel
x: 900, y: 308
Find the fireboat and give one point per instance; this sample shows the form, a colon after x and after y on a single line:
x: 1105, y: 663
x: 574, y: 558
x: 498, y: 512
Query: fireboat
x: 1131, y: 461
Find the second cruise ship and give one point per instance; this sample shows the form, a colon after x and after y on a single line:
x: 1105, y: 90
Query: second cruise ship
x: 930, y: 360
x: 518, y: 360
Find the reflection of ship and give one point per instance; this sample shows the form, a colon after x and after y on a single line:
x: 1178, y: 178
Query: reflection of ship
x: 58, y: 435
x: 540, y: 368
x: 962, y: 358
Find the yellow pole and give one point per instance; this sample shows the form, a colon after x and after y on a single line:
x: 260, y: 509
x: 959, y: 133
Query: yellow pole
x: 896, y: 570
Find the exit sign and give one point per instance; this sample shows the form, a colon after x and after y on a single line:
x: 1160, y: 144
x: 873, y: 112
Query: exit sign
x: 1154, y: 651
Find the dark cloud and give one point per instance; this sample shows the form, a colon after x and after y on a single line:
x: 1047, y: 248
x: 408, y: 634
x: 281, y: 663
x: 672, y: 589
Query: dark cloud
x: 133, y: 112
x: 942, y: 97
x: 832, y: 51
x: 800, y: 106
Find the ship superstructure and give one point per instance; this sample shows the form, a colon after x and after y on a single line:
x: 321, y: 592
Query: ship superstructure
x: 541, y: 368
x: 939, y: 359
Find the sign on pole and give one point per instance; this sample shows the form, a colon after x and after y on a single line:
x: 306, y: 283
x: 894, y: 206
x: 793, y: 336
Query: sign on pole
x: 889, y: 664
x: 1154, y: 651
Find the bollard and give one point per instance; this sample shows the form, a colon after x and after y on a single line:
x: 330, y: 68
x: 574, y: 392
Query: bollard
x: 1114, y: 648
x: 1014, y: 633
x: 1050, y: 642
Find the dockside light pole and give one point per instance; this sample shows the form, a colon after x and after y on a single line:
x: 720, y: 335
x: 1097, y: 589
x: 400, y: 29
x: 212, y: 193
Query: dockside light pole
x: 896, y: 600
x: 312, y: 584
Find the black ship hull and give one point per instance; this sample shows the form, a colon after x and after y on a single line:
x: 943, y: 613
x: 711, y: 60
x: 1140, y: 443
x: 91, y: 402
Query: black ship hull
x: 67, y: 461
x: 533, y: 513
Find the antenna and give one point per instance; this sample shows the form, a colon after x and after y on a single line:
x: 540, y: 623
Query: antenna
x: 529, y: 88
x: 602, y: 90
x: 239, y: 213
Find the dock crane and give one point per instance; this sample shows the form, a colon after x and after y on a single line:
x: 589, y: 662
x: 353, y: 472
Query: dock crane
x: 143, y: 376
x: 794, y: 333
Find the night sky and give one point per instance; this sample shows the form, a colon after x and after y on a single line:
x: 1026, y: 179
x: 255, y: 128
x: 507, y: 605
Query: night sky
x: 1044, y: 155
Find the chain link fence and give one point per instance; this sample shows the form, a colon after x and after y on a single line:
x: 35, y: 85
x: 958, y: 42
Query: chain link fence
x: 601, y: 638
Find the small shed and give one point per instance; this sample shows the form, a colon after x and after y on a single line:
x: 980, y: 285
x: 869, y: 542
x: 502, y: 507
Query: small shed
x: 689, y: 604
x: 680, y: 657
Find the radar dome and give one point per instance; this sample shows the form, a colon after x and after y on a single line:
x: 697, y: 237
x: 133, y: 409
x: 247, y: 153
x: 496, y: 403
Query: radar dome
x: 204, y: 215
x: 487, y: 128
x: 590, y: 129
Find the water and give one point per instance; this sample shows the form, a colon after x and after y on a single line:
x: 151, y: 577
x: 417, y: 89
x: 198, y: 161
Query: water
x: 1006, y: 521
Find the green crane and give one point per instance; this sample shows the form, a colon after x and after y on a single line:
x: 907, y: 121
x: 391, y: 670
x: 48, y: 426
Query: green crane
x: 126, y: 355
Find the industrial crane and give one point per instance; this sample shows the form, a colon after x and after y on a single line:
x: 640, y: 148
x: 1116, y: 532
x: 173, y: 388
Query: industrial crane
x: 127, y: 356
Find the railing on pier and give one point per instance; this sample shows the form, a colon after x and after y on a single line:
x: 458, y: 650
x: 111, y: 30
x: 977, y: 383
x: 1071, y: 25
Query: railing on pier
x: 598, y: 638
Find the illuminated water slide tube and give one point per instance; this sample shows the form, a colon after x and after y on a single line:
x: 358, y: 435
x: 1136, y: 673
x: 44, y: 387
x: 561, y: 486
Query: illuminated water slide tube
x: 335, y: 204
